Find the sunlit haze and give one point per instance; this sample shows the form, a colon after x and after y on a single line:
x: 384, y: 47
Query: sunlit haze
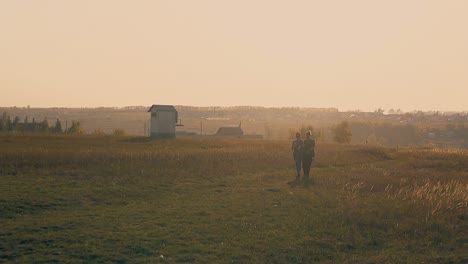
x: 362, y: 54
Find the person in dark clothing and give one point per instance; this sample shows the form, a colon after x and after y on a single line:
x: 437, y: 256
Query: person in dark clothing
x: 308, y: 156
x: 297, y: 148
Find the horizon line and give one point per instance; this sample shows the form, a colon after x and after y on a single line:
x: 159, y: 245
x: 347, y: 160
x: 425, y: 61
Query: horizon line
x: 234, y: 106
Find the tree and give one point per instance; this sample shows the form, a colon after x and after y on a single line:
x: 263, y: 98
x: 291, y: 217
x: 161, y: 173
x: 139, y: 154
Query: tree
x: 342, y: 132
x: 2, y: 122
x: 15, y: 124
x: 380, y: 111
x: 9, y: 124
x: 34, y: 126
x: 25, y: 126
x: 75, y: 128
x: 44, y: 125
x: 5, y: 124
x: 58, y: 127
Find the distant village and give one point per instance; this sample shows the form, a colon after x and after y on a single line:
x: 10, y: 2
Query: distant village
x: 383, y: 127
x: 165, y: 119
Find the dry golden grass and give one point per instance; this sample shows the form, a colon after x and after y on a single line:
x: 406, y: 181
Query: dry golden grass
x: 439, y: 197
x: 124, y: 200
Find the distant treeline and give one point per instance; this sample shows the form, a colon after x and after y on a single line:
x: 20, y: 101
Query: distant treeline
x: 388, y: 134
x: 406, y: 134
x: 366, y: 132
x: 7, y: 124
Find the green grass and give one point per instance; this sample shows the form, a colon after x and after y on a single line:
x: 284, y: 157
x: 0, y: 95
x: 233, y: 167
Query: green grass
x: 81, y: 199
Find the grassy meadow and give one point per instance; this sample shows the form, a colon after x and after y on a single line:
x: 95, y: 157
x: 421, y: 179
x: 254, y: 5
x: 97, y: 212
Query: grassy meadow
x: 101, y: 199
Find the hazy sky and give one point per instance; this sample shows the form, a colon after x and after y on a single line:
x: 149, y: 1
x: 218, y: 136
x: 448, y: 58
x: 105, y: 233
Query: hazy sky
x: 360, y: 54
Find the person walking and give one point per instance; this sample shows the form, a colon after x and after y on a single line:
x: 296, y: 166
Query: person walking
x: 308, y: 156
x: 297, y: 149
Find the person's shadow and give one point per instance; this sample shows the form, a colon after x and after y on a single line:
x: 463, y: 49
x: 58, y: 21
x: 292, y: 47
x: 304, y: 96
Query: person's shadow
x: 303, y: 183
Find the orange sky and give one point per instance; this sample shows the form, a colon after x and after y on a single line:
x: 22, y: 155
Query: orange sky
x: 360, y: 54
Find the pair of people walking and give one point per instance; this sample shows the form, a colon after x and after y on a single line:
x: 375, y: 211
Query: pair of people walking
x: 303, y: 153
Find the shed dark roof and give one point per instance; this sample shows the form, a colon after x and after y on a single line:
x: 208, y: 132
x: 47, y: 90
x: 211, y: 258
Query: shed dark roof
x: 162, y: 108
x: 230, y: 131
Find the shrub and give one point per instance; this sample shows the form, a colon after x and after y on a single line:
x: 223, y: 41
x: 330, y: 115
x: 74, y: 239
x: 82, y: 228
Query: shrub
x: 342, y: 132
x: 118, y: 132
x: 98, y: 132
x: 75, y: 128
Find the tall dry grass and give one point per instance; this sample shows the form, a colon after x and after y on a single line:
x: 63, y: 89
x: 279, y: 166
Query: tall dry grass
x: 439, y: 197
x: 367, y: 202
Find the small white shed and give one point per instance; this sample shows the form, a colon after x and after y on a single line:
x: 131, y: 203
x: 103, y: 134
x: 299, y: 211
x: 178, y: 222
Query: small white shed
x: 163, y: 121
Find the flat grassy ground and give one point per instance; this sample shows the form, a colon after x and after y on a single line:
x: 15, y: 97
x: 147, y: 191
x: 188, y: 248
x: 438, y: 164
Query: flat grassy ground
x: 89, y: 199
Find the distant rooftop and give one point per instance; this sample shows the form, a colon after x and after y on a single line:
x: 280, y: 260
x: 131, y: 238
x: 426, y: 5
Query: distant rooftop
x: 162, y: 108
x: 230, y: 131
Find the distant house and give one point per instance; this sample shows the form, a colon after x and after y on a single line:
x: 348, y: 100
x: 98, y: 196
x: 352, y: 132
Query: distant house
x: 163, y: 121
x: 235, y: 131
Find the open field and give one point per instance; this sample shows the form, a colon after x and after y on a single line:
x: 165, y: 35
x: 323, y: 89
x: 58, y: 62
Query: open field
x: 101, y: 199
